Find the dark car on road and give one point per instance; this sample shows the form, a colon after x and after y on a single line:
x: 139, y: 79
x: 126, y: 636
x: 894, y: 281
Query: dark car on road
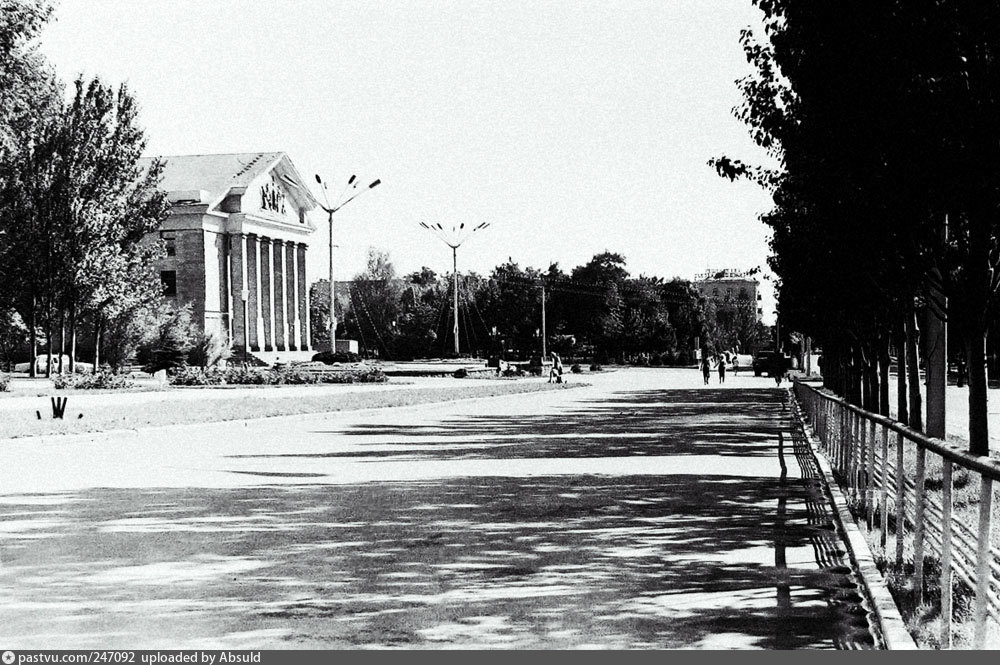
x: 767, y: 361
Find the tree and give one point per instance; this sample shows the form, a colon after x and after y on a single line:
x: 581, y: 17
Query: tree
x: 424, y: 277
x: 13, y: 335
x: 319, y: 313
x: 375, y: 297
x: 78, y: 209
x: 646, y: 318
x: 28, y: 90
x: 597, y: 305
x: 882, y: 116
x: 171, y: 341
x: 511, y: 301
x: 28, y: 96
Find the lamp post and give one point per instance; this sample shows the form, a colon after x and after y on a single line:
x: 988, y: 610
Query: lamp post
x: 352, y: 186
x: 454, y: 239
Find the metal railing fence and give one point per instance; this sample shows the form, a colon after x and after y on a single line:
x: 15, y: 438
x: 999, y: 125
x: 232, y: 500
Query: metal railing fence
x: 899, y: 489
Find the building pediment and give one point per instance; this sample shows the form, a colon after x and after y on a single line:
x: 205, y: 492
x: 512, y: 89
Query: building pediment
x: 278, y: 194
x: 263, y: 185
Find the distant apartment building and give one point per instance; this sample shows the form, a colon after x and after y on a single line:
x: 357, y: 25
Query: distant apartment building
x: 729, y: 284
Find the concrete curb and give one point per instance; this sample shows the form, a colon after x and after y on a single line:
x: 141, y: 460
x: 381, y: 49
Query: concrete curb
x: 890, y: 625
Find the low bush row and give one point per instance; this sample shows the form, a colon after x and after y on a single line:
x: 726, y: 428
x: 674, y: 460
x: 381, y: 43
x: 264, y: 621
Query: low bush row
x: 328, y: 358
x: 239, y: 376
x: 100, y: 380
x: 4, y: 382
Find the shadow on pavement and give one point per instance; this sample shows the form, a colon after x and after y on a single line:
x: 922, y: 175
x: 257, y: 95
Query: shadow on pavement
x: 728, y: 422
x: 512, y: 562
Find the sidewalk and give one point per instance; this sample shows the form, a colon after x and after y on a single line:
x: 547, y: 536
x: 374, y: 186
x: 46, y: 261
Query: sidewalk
x: 643, y: 511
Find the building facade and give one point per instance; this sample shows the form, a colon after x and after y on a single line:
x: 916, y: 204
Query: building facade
x: 729, y: 284
x: 237, y: 242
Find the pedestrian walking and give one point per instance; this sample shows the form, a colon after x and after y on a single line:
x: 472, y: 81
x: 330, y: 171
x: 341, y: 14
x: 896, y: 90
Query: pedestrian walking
x: 556, y: 371
x: 722, y: 369
x: 779, y: 369
x: 706, y: 367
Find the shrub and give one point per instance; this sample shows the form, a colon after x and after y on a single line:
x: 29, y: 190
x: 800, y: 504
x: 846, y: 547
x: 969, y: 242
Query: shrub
x: 460, y: 373
x: 295, y: 377
x: 209, y: 350
x: 246, y: 376
x: 656, y: 360
x: 360, y: 375
x: 169, y: 346
x: 576, y: 369
x: 328, y: 358
x: 684, y: 358
x: 100, y: 380
x: 192, y: 376
x: 4, y: 383
x: 596, y: 368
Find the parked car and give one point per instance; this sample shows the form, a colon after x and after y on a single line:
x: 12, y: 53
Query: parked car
x: 42, y: 359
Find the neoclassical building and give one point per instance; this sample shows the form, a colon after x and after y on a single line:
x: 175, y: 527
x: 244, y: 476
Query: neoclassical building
x: 237, y: 245
x: 729, y: 284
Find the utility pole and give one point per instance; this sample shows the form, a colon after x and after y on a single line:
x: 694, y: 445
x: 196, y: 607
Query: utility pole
x: 454, y: 267
x: 333, y: 299
x: 544, y: 352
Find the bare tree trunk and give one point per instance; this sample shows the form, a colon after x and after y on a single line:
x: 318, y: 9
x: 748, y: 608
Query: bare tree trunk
x: 33, y: 336
x: 883, y: 384
x: 72, y: 338
x: 916, y: 420
x: 864, y: 377
x: 902, y: 405
x: 97, y: 343
x: 62, y: 339
x: 979, y: 441
x: 871, y: 377
x: 858, y: 383
x: 935, y: 352
x: 49, y: 344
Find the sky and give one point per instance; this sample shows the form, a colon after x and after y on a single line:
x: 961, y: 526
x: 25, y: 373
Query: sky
x: 571, y: 127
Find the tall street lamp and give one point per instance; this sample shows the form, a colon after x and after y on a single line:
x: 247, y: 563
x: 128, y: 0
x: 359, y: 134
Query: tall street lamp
x: 352, y: 192
x: 454, y: 239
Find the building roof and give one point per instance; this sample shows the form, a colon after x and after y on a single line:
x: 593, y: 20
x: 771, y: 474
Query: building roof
x: 220, y: 175
x: 727, y: 274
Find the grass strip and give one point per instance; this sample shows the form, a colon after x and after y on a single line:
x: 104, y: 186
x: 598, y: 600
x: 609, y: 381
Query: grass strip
x: 168, y: 411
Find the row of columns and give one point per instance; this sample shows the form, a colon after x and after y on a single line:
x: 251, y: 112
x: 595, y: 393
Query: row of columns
x: 269, y: 294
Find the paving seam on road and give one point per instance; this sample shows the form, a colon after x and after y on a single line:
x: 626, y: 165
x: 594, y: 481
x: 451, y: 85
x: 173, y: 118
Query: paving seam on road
x: 890, y: 624
x: 87, y: 436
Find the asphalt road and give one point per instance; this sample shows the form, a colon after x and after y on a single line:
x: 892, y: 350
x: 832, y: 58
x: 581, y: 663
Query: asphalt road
x: 645, y: 511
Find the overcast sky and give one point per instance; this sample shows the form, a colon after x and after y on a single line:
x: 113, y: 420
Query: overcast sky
x: 572, y: 127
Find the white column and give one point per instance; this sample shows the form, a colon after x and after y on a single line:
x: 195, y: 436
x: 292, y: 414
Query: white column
x: 284, y: 296
x: 296, y: 323
x: 306, y: 323
x: 261, y: 342
x: 244, y: 293
x: 273, y: 341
